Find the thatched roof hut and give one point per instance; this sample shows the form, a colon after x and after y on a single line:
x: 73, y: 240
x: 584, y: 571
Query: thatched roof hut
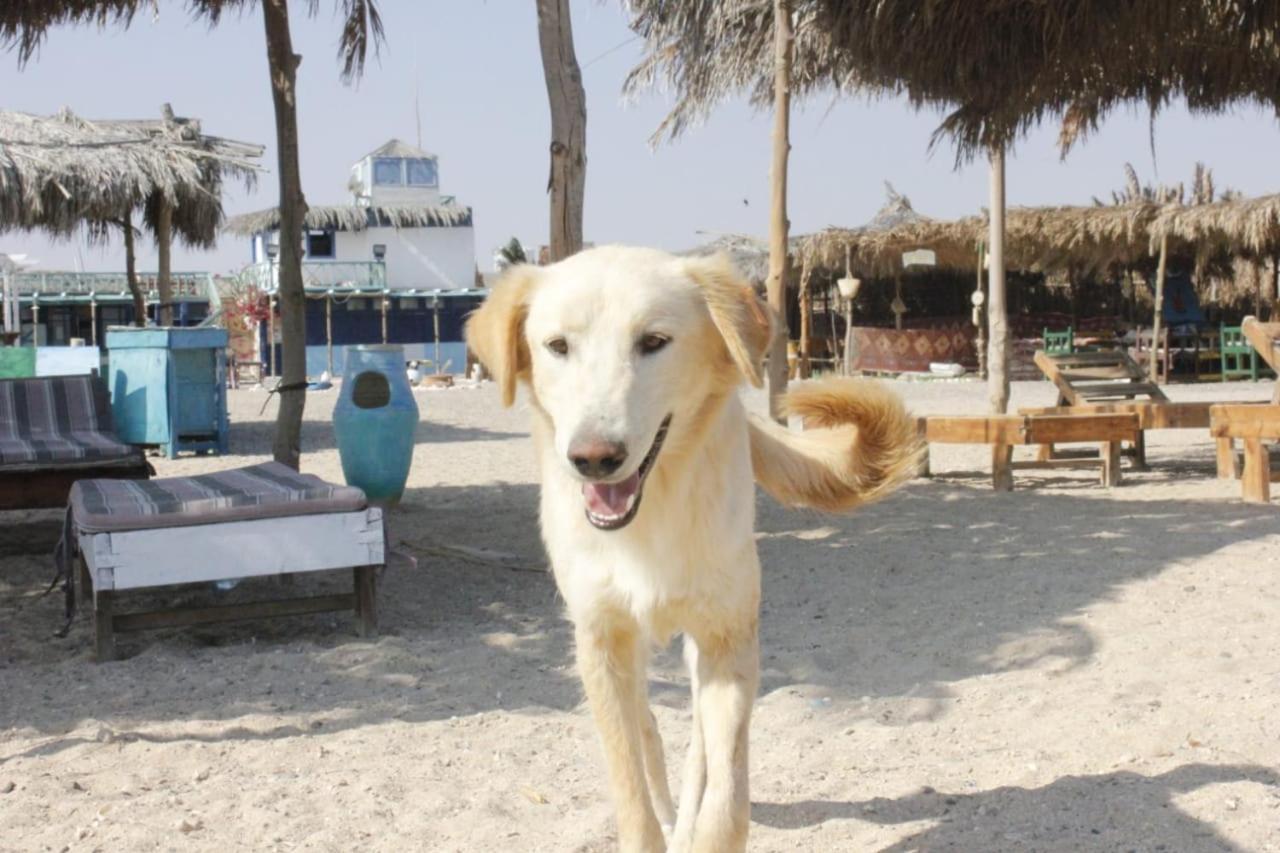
x: 876, y: 248
x: 355, y: 217
x: 1080, y: 238
x: 1240, y: 226
x: 57, y: 172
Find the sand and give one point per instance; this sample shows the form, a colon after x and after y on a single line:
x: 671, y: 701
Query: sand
x: 1058, y: 668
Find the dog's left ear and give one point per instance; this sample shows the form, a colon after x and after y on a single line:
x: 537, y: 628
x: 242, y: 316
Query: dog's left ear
x: 742, y: 319
x: 495, y: 331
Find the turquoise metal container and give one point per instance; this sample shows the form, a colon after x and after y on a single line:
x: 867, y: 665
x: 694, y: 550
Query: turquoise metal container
x: 169, y: 387
x: 374, y: 422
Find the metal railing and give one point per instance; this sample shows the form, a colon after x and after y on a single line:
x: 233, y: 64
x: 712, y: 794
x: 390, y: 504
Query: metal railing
x: 54, y: 286
x: 319, y: 275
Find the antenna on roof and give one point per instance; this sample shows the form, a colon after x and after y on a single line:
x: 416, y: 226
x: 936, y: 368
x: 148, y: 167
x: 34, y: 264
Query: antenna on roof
x: 417, y: 113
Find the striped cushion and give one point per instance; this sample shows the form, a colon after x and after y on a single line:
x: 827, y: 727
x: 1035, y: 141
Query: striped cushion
x: 55, y: 420
x: 270, y: 490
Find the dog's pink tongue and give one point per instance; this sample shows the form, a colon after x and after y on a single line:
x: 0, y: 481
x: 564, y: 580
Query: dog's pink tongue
x: 611, y: 500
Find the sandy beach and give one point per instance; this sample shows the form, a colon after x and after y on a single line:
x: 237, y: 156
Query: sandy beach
x: 1060, y: 668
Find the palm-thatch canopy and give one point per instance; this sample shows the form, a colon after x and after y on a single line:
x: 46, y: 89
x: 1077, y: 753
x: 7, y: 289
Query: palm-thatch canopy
x: 1240, y: 226
x: 998, y: 66
x: 58, y: 172
x: 1080, y: 238
x: 876, y: 248
x: 356, y: 217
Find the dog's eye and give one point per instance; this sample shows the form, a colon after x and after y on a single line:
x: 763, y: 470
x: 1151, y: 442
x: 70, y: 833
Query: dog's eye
x: 650, y: 344
x: 558, y: 346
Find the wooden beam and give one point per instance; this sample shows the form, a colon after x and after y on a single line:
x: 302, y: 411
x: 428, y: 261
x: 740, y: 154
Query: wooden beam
x: 232, y: 612
x: 1244, y: 421
x: 976, y: 429
x: 1061, y: 429
x: 997, y: 307
x: 1256, y: 479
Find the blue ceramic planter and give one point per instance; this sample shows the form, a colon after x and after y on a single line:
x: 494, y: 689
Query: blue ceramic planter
x: 374, y: 422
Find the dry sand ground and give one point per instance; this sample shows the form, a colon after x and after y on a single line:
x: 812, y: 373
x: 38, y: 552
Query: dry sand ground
x: 1060, y: 668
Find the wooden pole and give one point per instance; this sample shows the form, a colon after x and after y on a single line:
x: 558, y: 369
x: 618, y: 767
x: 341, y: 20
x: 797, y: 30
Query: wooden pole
x: 93, y: 322
x: 568, y: 101
x: 164, y: 246
x: 435, y: 328
x: 386, y: 302
x: 897, y: 302
x: 328, y: 331
x: 806, y: 322
x: 271, y: 336
x: 778, y: 223
x: 997, y: 311
x: 1153, y: 365
x: 981, y: 343
x: 35, y: 321
x: 848, y: 337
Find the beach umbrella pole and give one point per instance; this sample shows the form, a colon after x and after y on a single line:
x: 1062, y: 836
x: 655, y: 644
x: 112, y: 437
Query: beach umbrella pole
x: 997, y: 311
x: 778, y: 225
x: 1153, y: 365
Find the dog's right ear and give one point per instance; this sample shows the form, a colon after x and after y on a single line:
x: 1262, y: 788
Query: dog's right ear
x: 495, y: 331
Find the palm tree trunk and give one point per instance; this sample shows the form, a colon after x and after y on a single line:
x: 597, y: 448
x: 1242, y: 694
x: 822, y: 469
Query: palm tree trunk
x: 997, y: 310
x: 283, y: 65
x: 164, y: 276
x: 778, y: 223
x: 568, y: 100
x: 131, y: 272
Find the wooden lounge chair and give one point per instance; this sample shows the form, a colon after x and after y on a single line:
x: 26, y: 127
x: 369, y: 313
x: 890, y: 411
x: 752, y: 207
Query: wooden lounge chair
x: 264, y: 520
x: 1265, y: 338
x: 1239, y: 358
x: 1002, y: 432
x: 1252, y: 425
x: 1091, y: 378
x: 55, y: 430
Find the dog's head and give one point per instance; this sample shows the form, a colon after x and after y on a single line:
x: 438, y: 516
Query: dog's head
x: 617, y: 345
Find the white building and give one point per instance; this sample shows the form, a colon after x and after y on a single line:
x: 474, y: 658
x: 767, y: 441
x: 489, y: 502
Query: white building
x: 395, y: 265
x: 425, y: 239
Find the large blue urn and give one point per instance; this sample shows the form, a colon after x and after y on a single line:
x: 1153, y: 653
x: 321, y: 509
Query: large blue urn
x: 374, y: 422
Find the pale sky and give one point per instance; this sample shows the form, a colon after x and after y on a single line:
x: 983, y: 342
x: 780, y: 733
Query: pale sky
x: 476, y: 68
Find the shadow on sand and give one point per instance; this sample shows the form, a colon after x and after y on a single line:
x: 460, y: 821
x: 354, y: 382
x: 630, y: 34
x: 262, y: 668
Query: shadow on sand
x: 944, y: 582
x: 1112, y: 811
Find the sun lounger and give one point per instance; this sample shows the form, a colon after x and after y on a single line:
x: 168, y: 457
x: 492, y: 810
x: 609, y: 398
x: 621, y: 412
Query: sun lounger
x: 264, y: 520
x: 55, y: 430
x: 1265, y: 338
x: 1002, y: 432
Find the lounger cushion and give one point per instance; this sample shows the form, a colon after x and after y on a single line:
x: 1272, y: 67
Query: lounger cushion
x: 58, y: 421
x: 270, y: 490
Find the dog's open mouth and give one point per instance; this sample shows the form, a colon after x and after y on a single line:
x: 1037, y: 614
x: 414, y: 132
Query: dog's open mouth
x: 611, y: 506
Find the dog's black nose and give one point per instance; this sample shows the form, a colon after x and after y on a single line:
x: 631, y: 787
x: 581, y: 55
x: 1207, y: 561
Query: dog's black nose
x: 597, y: 459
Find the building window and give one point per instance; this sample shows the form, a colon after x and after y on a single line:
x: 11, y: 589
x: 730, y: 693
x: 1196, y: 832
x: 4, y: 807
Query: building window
x: 387, y: 172
x: 320, y: 244
x: 422, y: 172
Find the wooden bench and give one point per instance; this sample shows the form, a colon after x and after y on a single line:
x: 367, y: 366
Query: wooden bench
x: 1251, y: 424
x: 1154, y: 414
x: 1002, y: 432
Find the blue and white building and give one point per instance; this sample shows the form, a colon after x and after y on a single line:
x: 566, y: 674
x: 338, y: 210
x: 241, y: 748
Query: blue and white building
x: 396, y: 264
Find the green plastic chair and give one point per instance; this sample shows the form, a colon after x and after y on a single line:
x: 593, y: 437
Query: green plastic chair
x: 1059, y: 343
x: 1238, y: 356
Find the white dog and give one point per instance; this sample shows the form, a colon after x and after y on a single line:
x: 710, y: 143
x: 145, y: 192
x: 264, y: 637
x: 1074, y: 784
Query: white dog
x: 633, y: 359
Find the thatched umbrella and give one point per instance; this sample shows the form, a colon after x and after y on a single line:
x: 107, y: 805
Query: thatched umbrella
x: 355, y: 217
x: 60, y: 172
x: 998, y: 66
x: 25, y: 23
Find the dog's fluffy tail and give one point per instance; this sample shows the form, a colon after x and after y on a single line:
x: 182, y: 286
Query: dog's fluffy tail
x: 858, y: 445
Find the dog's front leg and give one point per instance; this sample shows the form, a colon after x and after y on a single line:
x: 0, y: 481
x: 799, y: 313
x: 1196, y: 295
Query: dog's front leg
x: 694, y: 780
x: 728, y: 675
x: 608, y: 657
